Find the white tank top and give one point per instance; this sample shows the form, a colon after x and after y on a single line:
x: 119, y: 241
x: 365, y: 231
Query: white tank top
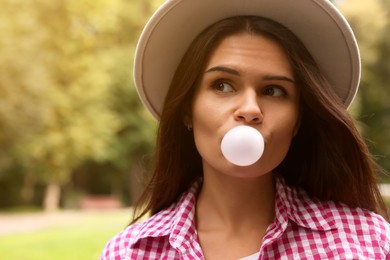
x: 251, y: 257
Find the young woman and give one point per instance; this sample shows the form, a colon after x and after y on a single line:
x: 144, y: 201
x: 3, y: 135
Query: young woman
x: 313, y: 193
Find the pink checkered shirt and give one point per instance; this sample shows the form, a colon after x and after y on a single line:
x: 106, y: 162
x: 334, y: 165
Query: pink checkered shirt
x: 303, y: 228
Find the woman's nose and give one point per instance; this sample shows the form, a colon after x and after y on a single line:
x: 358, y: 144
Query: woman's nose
x: 249, y: 110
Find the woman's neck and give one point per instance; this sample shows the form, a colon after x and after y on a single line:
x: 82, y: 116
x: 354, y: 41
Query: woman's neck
x: 233, y: 214
x: 236, y: 204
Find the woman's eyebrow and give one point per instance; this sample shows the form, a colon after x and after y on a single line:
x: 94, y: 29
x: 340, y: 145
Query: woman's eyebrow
x: 237, y: 73
x: 282, y: 78
x: 223, y: 69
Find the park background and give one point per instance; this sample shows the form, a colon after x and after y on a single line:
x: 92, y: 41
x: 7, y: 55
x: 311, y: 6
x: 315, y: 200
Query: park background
x: 74, y: 136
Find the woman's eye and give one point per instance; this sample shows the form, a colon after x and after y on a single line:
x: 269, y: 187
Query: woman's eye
x: 223, y: 87
x: 275, y: 92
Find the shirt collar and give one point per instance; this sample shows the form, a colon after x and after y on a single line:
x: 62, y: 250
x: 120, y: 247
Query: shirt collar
x: 296, y: 205
x: 176, y: 222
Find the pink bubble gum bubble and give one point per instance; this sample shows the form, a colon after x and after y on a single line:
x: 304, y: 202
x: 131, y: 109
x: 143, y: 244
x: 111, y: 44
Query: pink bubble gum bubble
x: 242, y: 145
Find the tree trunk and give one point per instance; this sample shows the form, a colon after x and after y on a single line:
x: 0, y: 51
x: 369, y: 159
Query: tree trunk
x: 27, y: 190
x: 51, y: 200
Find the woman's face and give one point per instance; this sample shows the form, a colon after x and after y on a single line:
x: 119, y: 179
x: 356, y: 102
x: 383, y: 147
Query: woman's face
x: 248, y: 80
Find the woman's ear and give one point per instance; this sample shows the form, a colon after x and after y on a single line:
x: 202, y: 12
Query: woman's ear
x: 188, y: 122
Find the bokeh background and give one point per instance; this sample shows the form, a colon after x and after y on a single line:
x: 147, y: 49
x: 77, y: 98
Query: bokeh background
x: 73, y: 133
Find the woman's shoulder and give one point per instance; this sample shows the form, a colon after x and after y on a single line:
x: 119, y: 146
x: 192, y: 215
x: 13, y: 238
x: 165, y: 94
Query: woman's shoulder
x: 118, y: 245
x: 341, y: 227
x: 308, y: 209
x: 158, y: 225
x: 361, y: 229
x: 153, y: 230
x: 355, y: 221
x: 362, y: 221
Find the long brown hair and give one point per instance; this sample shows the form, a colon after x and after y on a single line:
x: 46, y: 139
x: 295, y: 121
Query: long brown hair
x: 327, y: 158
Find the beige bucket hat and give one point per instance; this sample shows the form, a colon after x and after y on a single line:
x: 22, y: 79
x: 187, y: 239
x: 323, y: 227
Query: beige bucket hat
x: 169, y: 32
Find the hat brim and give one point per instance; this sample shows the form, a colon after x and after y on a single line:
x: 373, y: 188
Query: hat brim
x: 317, y: 23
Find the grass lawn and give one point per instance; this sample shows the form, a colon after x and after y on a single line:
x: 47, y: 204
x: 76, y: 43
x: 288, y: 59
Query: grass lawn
x: 82, y: 238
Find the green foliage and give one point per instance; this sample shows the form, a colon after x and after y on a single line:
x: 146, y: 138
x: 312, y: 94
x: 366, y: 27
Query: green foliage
x: 24, y: 82
x: 66, y: 89
x: 136, y: 126
x: 371, y: 23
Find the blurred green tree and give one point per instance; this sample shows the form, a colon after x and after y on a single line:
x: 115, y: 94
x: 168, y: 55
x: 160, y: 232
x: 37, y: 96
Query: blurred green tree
x: 67, y: 67
x: 371, y: 23
x: 24, y: 86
